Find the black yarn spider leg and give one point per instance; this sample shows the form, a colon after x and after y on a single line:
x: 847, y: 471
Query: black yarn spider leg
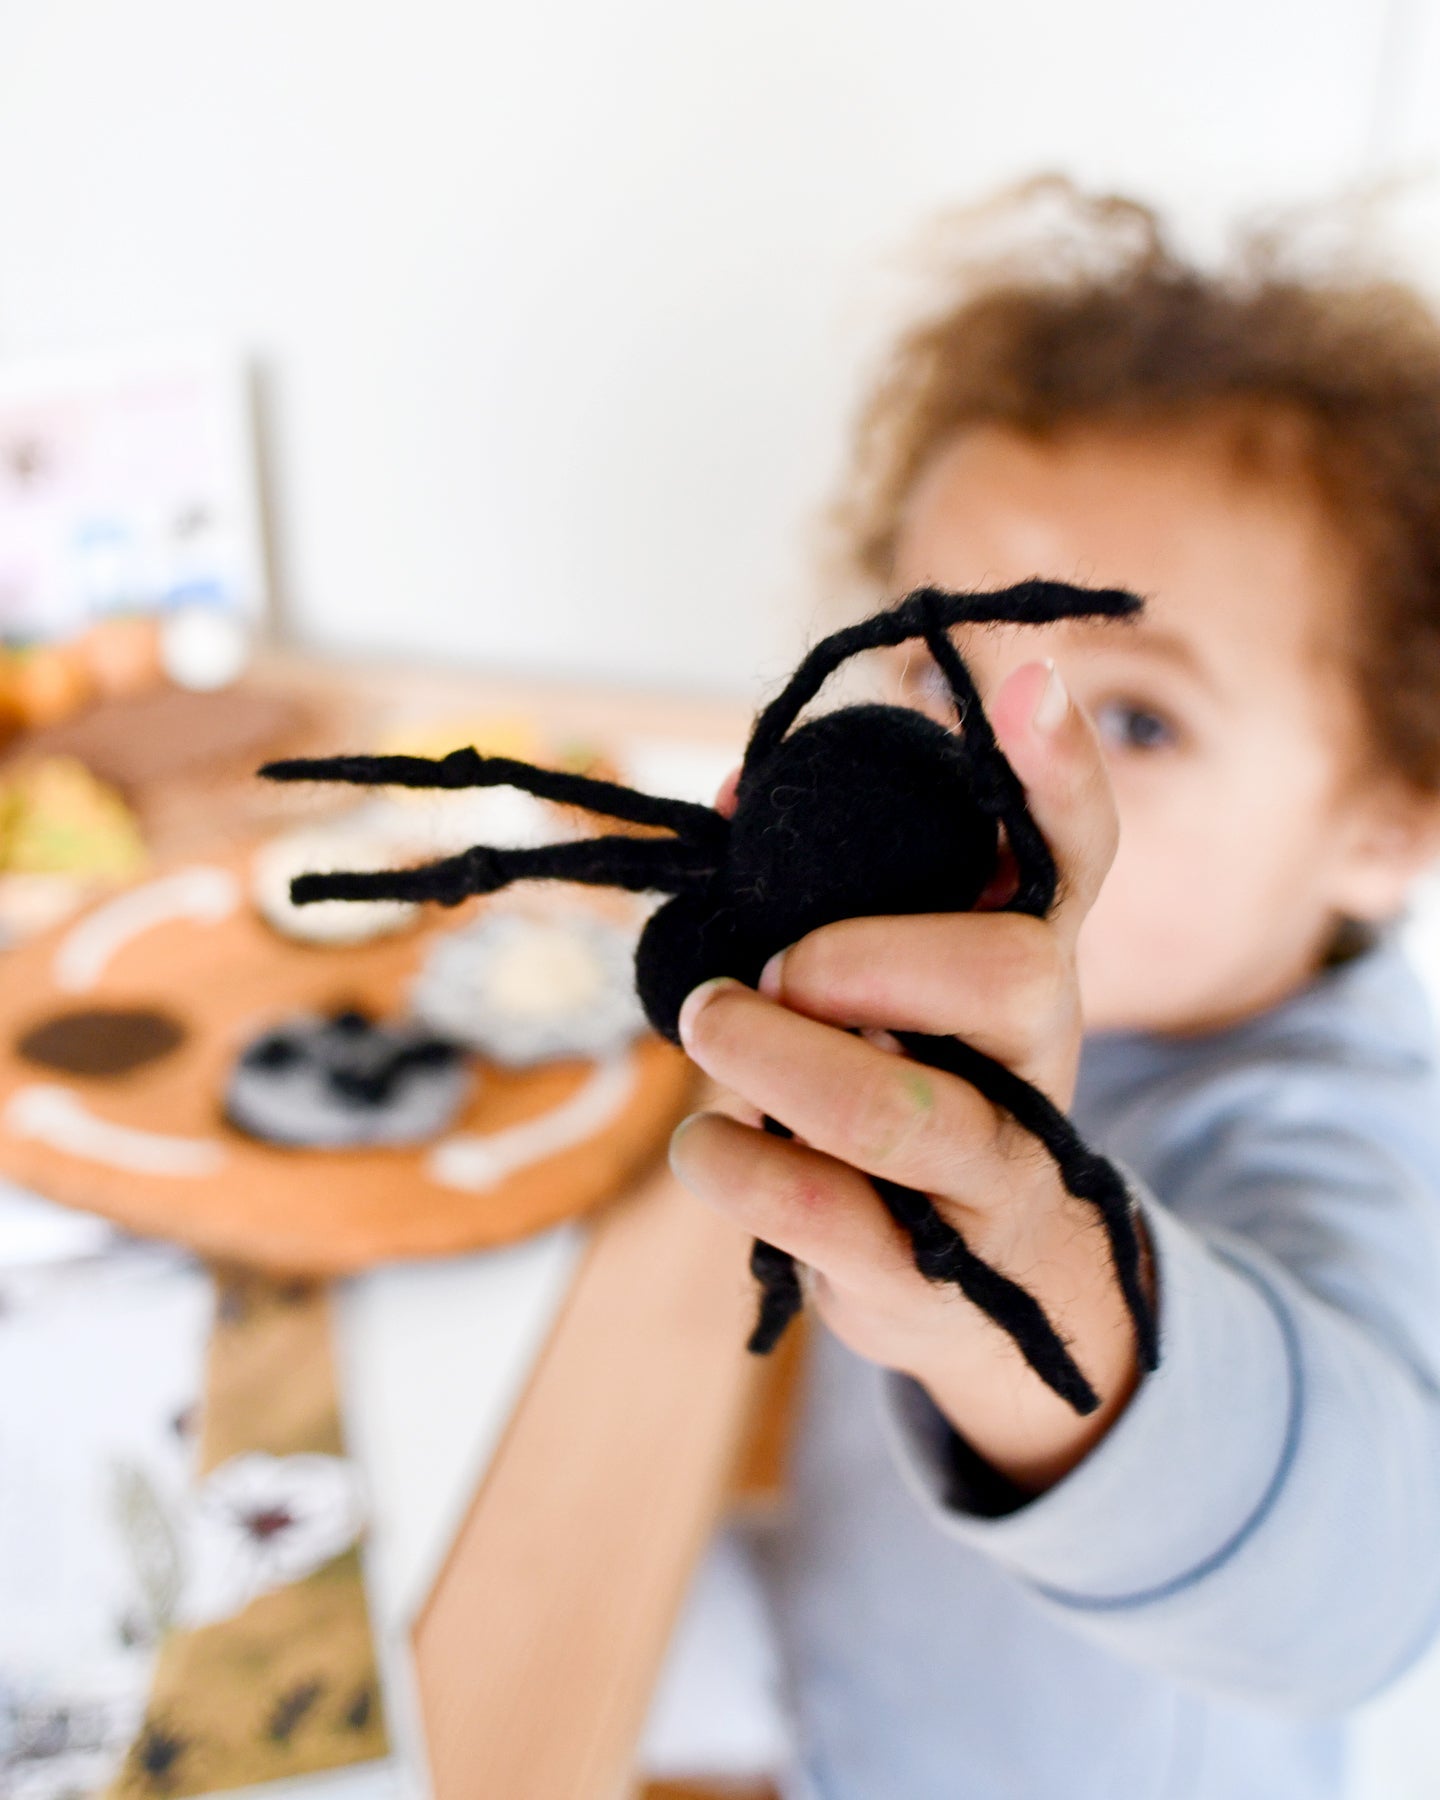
x: 640, y: 865
x: 1033, y: 602
x: 467, y: 768
x: 1086, y: 1175
x: 941, y: 1254
x: 1027, y: 603
x: 997, y: 787
x: 778, y: 1278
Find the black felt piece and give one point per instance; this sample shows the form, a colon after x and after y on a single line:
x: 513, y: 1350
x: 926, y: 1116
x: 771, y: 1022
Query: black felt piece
x: 273, y: 1052
x: 867, y: 811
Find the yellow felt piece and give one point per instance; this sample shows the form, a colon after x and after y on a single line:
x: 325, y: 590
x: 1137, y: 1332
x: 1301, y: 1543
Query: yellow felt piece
x: 56, y: 818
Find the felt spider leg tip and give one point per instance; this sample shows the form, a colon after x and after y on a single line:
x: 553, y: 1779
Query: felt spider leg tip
x: 311, y: 890
x: 289, y: 768
x: 448, y: 884
x: 1138, y: 1303
x: 781, y: 1296
x: 1094, y: 1178
x: 1147, y: 1336
x: 772, y: 1320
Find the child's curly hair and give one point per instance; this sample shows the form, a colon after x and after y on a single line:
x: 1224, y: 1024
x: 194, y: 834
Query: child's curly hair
x: 1100, y: 321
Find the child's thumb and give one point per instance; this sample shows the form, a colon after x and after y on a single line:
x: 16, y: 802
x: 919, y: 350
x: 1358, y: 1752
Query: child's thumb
x: 1053, y: 749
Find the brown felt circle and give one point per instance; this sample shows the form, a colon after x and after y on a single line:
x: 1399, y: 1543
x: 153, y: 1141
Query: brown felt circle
x: 101, y: 1040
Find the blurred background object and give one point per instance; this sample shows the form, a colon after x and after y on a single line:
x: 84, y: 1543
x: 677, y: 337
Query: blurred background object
x: 127, y: 498
x: 558, y: 311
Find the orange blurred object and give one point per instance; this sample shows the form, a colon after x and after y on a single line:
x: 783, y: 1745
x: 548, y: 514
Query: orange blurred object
x: 44, y: 683
x: 122, y: 654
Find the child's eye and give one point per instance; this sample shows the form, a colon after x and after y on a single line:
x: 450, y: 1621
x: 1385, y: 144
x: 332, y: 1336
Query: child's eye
x: 1125, y: 726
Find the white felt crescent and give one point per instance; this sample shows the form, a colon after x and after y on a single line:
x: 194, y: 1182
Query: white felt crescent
x: 203, y: 892
x: 57, y: 1117
x: 472, y: 1162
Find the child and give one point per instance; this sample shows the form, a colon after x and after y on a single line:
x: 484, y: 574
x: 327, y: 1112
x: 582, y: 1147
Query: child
x: 982, y: 1594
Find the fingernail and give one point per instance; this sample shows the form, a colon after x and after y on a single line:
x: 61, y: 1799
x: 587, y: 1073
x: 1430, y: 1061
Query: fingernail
x: 675, y: 1137
x: 772, y: 976
x: 1053, y: 704
x: 697, y: 1000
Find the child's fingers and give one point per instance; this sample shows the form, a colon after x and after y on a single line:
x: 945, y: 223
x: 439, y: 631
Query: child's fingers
x: 859, y: 1104
x: 1053, y: 749
x: 1001, y: 981
x: 793, y: 1197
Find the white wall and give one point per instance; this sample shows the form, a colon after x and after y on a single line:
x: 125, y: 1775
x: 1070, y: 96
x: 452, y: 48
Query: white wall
x: 561, y: 305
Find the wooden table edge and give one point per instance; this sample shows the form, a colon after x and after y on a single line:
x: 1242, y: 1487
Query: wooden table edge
x: 538, y: 1648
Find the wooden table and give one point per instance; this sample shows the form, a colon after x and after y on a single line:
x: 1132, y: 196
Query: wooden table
x: 540, y: 1643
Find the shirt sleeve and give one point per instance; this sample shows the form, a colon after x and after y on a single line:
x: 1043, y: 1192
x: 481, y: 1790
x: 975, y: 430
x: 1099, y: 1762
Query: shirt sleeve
x: 1263, y: 1520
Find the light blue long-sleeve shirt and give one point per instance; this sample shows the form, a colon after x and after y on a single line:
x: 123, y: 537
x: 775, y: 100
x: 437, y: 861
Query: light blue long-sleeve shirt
x: 1255, y: 1545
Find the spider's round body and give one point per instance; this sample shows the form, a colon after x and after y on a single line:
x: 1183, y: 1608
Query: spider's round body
x: 864, y: 812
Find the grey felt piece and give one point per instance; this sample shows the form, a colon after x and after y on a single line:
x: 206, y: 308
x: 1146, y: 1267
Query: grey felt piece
x: 344, y: 1082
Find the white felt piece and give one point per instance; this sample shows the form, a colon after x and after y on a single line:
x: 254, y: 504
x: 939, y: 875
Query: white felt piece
x: 678, y: 769
x: 439, y: 822
x: 322, y: 852
x: 201, y: 892
x: 59, y: 1117
x: 474, y: 1161
x: 523, y: 988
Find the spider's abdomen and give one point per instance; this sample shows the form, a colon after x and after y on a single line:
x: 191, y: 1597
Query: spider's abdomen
x: 863, y: 812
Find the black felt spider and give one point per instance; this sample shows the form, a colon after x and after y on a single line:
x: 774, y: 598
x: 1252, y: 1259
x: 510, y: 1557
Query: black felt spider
x: 869, y: 810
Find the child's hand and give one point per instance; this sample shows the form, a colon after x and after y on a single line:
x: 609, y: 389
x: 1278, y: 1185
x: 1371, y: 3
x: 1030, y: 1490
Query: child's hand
x: 1002, y: 982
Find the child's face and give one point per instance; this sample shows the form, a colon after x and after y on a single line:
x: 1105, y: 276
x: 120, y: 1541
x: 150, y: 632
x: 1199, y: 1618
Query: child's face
x: 1227, y: 715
